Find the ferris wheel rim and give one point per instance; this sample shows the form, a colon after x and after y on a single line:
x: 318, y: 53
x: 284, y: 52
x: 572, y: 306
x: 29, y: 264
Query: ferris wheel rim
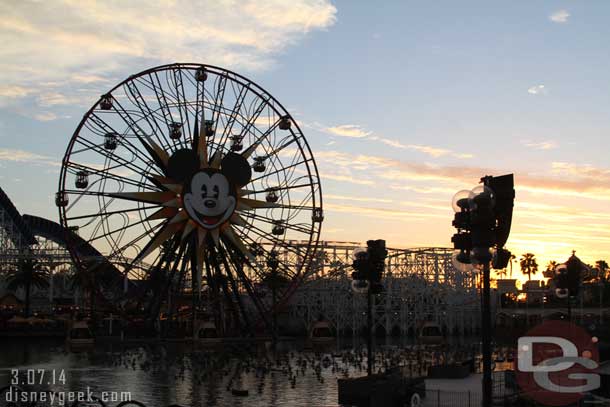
x: 301, y: 142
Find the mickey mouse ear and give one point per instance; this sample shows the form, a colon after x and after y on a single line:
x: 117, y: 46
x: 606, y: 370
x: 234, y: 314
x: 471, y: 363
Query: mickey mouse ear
x: 182, y: 164
x: 236, y: 169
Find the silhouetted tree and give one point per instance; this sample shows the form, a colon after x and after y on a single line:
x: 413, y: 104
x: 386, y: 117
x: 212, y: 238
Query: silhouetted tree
x: 28, y: 274
x: 512, y: 258
x: 501, y: 273
x: 550, y: 269
x: 603, y: 270
x: 528, y: 264
x: 92, y: 277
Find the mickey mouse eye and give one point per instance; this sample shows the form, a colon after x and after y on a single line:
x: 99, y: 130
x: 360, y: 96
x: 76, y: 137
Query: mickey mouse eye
x: 204, y: 191
x: 216, y: 191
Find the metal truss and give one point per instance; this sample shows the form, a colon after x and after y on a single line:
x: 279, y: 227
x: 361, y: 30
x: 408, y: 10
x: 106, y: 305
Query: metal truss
x: 420, y: 285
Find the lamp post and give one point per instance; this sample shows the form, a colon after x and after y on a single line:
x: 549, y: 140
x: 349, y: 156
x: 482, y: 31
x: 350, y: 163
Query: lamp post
x: 368, y: 265
x: 483, y: 219
x: 568, y: 279
x: 273, y: 264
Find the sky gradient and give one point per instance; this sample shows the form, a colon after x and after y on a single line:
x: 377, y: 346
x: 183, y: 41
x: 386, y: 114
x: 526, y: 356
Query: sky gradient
x: 404, y: 103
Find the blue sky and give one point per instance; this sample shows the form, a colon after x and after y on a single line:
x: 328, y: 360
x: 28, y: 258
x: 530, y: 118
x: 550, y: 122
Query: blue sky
x: 403, y: 102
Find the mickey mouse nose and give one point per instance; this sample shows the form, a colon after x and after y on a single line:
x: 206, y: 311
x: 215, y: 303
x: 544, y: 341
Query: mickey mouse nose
x: 209, y: 203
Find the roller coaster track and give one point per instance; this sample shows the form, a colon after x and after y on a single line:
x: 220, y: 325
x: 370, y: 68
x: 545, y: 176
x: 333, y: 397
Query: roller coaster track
x: 28, y: 236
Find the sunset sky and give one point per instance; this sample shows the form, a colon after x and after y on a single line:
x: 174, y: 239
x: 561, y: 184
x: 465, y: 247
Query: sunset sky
x: 404, y: 103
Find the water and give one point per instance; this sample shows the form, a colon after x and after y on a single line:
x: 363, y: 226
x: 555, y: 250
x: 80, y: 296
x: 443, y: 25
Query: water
x: 163, y: 374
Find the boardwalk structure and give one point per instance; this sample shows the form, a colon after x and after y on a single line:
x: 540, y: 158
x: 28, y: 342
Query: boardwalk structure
x: 419, y: 284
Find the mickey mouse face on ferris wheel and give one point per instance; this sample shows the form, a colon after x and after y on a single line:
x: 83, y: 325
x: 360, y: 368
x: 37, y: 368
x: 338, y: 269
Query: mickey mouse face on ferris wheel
x: 209, y: 194
x: 209, y: 199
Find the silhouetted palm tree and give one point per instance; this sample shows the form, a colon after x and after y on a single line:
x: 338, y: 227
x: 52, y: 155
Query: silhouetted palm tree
x: 501, y: 273
x: 550, y: 269
x: 528, y: 264
x: 92, y: 278
x: 27, y: 275
x: 603, y: 270
x: 512, y: 258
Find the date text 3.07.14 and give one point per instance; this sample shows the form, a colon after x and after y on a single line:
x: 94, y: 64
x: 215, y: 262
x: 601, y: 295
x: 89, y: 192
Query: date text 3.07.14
x: 38, y: 376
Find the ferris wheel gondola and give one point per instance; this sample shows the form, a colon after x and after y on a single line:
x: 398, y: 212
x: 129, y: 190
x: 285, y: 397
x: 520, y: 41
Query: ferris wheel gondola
x: 186, y: 168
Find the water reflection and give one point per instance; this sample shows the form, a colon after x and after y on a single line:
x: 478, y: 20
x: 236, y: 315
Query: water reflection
x: 189, y: 375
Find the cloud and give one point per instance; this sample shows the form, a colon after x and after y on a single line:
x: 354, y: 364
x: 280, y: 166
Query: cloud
x: 357, y: 131
x: 382, y: 213
x: 13, y: 91
x: 346, y: 178
x: 45, y: 116
x: 540, y: 145
x: 84, y: 78
x: 560, y: 16
x: 21, y: 156
x: 536, y: 90
x: 601, y: 175
x: 424, y: 190
x: 66, y: 42
x: 355, y: 198
x: 9, y: 94
x: 582, y: 181
x: 445, y: 208
x: 48, y: 99
x: 429, y: 150
x: 348, y: 130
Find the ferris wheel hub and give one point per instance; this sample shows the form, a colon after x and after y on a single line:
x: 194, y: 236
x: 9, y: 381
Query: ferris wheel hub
x: 192, y: 173
x: 209, y: 198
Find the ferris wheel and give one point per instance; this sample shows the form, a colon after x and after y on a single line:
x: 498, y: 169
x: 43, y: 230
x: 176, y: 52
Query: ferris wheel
x: 198, y: 178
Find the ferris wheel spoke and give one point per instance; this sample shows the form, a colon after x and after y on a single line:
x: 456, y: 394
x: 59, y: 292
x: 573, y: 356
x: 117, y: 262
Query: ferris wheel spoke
x: 163, y: 256
x: 247, y: 283
x: 131, y: 123
x: 260, y: 139
x: 138, y: 99
x: 147, y: 197
x: 107, y: 173
x: 267, y: 174
x: 288, y: 169
x: 218, y: 98
x: 278, y: 188
x: 265, y: 237
x: 163, y: 107
x: 199, y: 113
x: 96, y: 214
x: 285, y: 268
x: 158, y: 155
x: 232, y: 117
x: 124, y: 140
x: 231, y: 261
x: 218, y: 263
x: 117, y: 230
x: 235, y: 290
x: 158, y: 281
x: 129, y: 164
x: 181, y: 99
x: 276, y: 150
x: 142, y: 213
x: 305, y: 204
x: 134, y: 241
x: 271, y: 221
x: 251, y: 119
x: 162, y: 100
x: 97, y: 148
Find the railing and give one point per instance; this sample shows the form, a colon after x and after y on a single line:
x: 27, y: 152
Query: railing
x: 443, y: 398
